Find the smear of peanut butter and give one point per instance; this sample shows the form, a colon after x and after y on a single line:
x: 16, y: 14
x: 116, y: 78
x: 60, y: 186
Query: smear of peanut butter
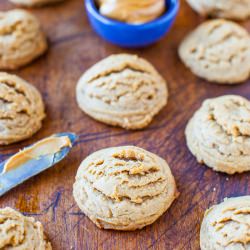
x: 47, y: 146
x: 132, y: 11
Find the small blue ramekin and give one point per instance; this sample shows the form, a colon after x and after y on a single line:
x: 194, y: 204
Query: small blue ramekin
x: 132, y: 35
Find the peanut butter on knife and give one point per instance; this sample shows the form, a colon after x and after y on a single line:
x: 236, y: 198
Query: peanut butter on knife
x: 47, y: 146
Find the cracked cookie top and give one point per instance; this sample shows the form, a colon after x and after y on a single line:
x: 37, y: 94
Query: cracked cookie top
x: 21, y: 109
x: 124, y: 188
x: 226, y: 226
x: 122, y: 90
x: 34, y: 3
x: 219, y: 134
x: 21, y: 232
x: 230, y: 9
x: 218, y: 51
x: 21, y: 39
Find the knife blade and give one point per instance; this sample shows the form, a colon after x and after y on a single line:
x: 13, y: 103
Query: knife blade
x: 34, y: 159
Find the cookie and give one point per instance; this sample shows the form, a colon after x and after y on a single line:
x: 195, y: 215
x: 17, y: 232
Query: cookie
x: 219, y: 134
x: 218, y: 51
x: 21, y: 232
x: 21, y: 109
x: 230, y: 9
x: 122, y: 90
x: 34, y: 3
x: 21, y: 39
x: 124, y: 188
x: 131, y: 11
x: 227, y: 226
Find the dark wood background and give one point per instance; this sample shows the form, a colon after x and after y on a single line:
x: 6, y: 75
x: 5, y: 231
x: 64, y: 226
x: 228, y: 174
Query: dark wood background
x: 73, y: 48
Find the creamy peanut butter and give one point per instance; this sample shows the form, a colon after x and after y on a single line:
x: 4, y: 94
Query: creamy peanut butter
x: 47, y: 146
x: 131, y: 11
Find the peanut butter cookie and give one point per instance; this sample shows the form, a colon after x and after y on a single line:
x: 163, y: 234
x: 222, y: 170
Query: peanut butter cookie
x: 218, y: 51
x: 122, y: 90
x: 21, y: 109
x: 219, y: 134
x: 34, y: 3
x: 131, y: 11
x: 124, y: 188
x: 21, y: 232
x: 21, y: 39
x: 230, y: 9
x: 226, y: 226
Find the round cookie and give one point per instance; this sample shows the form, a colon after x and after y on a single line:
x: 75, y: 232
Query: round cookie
x: 21, y: 232
x: 230, y: 9
x: 21, y: 39
x: 219, y: 134
x: 226, y: 226
x: 218, y: 51
x: 124, y: 188
x: 122, y: 90
x: 34, y: 3
x: 21, y: 109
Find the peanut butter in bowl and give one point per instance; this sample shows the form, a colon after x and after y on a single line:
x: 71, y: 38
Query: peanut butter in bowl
x: 131, y: 11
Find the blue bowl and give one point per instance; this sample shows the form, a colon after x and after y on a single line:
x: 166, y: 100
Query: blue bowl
x: 132, y: 35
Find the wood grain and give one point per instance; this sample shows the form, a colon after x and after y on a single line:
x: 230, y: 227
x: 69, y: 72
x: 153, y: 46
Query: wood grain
x: 73, y: 48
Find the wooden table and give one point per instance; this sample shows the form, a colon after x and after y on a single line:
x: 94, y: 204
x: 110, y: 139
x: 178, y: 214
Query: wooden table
x: 73, y: 48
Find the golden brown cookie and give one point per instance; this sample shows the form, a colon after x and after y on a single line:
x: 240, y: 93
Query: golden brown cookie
x: 124, y: 188
x: 230, y: 9
x: 21, y: 39
x: 21, y: 232
x: 219, y: 134
x: 21, y: 109
x: 218, y: 51
x: 131, y: 11
x: 226, y: 226
x: 122, y: 90
x: 34, y: 3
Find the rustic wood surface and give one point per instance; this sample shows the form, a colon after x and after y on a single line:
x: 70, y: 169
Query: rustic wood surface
x: 73, y: 48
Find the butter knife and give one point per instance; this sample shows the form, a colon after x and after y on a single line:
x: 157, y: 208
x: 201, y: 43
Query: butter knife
x: 34, y: 159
